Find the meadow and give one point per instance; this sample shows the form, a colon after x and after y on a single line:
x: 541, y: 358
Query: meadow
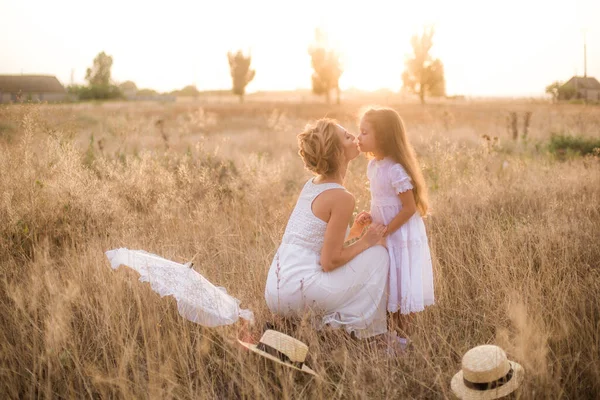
x: 514, y: 233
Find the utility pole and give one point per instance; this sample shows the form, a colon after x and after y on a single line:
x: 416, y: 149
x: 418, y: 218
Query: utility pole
x: 585, y: 95
x: 584, y: 55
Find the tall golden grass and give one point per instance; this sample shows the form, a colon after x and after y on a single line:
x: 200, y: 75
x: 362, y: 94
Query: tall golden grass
x: 515, y: 236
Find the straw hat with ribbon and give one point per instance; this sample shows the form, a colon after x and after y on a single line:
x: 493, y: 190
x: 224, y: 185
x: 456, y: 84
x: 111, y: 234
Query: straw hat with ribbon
x: 282, y: 349
x: 486, y: 374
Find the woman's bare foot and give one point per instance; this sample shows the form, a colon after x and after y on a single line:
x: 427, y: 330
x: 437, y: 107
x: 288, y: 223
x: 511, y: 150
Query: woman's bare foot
x: 245, y: 333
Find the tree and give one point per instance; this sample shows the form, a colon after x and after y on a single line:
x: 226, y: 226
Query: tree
x: 566, y: 92
x: 241, y: 74
x: 99, y: 74
x: 424, y: 75
x: 129, y: 89
x: 553, y: 90
x: 327, y: 67
x: 147, y: 92
x: 560, y: 91
x: 98, y: 77
x: 128, y: 85
x: 188, y: 91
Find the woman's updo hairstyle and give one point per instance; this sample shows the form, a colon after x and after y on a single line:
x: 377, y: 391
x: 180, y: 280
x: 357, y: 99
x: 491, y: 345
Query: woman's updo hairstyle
x: 320, y: 147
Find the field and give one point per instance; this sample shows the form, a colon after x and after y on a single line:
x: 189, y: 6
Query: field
x: 514, y: 232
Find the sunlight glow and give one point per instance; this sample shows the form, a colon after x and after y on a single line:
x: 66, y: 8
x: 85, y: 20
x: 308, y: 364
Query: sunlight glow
x: 516, y: 47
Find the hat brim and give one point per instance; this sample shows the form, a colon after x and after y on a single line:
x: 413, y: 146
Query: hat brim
x: 253, y: 348
x: 462, y: 392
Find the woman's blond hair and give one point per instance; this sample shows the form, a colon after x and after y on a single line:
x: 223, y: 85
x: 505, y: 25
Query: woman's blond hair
x: 320, y: 147
x: 392, y: 142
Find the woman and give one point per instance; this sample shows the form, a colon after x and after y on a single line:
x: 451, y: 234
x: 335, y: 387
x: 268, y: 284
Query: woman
x: 312, y: 269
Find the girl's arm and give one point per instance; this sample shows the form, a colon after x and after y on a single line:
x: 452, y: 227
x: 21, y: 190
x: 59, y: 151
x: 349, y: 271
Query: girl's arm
x: 334, y: 254
x: 409, y: 207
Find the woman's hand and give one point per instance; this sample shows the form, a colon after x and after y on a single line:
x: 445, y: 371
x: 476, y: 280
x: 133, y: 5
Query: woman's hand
x: 374, y: 234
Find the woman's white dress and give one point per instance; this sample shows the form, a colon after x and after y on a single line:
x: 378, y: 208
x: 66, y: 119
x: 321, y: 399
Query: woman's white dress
x: 411, y: 275
x: 352, y: 296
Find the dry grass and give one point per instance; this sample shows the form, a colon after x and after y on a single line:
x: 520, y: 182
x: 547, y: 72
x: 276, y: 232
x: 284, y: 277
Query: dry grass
x: 514, y: 234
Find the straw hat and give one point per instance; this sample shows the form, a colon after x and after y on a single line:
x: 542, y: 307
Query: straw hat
x: 486, y: 374
x: 282, y: 349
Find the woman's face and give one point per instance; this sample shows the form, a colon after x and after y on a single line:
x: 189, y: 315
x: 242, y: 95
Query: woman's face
x: 349, y: 144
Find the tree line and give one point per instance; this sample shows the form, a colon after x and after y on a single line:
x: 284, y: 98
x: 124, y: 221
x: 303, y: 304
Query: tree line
x: 423, y: 75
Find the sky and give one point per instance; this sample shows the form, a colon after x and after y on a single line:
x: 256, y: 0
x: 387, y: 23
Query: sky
x: 488, y: 48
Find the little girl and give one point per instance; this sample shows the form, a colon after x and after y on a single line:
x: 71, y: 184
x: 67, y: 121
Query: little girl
x: 398, y: 200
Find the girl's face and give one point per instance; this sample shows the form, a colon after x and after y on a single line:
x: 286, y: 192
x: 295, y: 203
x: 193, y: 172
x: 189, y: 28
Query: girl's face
x: 366, y: 138
x: 348, y: 142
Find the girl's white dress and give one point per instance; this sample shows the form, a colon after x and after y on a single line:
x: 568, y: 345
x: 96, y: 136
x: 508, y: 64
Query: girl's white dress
x: 411, y: 275
x: 352, y: 296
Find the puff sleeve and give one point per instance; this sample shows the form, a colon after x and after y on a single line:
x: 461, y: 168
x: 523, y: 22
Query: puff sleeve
x: 400, y: 180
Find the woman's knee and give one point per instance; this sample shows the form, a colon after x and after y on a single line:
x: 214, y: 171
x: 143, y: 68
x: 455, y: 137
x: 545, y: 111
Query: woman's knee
x: 380, y: 252
x: 377, y: 256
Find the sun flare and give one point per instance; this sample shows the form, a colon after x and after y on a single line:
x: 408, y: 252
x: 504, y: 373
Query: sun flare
x: 512, y: 48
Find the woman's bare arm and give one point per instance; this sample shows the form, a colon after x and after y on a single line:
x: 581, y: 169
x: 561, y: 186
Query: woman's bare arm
x: 334, y: 254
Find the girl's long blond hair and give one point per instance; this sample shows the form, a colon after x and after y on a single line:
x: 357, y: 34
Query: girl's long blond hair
x: 392, y: 142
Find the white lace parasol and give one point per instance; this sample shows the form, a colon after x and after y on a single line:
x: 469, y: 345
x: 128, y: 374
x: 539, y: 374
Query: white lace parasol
x: 198, y: 300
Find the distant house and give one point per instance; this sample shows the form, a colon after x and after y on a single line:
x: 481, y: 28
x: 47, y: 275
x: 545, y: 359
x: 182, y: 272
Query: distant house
x: 16, y: 88
x: 580, y: 87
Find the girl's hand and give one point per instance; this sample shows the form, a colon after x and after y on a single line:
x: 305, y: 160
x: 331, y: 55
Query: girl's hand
x: 363, y: 219
x: 374, y: 234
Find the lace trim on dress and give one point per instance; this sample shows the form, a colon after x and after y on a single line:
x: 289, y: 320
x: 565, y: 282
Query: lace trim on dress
x: 402, y: 186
